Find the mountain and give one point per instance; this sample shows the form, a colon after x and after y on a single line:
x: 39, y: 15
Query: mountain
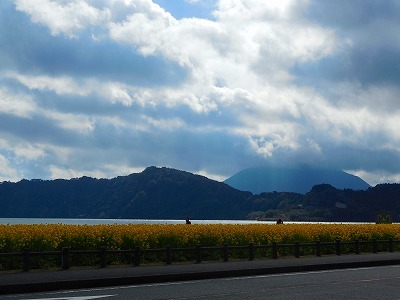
x: 349, y: 205
x: 164, y: 193
x: 155, y: 193
x: 159, y: 193
x: 297, y: 180
x: 325, y: 203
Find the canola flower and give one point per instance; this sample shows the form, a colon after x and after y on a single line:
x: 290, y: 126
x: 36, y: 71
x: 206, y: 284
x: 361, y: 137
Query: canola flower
x: 52, y: 237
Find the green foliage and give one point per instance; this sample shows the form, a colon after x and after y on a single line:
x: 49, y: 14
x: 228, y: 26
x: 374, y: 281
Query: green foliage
x: 164, y: 193
x: 156, y: 193
x: 324, y: 203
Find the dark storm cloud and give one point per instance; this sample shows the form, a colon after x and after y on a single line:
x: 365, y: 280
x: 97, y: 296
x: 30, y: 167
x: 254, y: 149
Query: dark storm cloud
x: 368, y: 53
x: 95, y: 88
x: 39, y: 129
x: 366, y: 66
x: 347, y: 15
x: 371, y: 160
x: 216, y: 152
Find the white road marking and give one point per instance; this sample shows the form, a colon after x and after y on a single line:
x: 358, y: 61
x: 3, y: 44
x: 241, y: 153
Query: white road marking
x: 305, y: 273
x: 189, y: 282
x: 76, y: 298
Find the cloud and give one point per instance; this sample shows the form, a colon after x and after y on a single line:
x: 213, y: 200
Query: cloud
x: 106, y: 87
x: 367, y: 53
x: 180, y: 9
x: 83, y: 57
x: 68, y: 18
x: 7, y: 172
x: 20, y: 105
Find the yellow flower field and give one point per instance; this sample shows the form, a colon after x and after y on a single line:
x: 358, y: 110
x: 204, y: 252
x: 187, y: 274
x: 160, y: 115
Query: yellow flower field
x: 38, y: 238
x: 52, y: 237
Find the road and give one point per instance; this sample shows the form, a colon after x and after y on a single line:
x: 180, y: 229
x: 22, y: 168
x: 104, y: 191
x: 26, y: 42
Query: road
x: 363, y: 283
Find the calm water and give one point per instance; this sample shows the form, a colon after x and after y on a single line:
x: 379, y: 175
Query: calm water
x: 133, y: 221
x: 119, y: 221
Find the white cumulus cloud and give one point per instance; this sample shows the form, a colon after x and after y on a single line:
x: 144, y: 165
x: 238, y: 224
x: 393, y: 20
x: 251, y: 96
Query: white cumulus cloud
x: 126, y: 83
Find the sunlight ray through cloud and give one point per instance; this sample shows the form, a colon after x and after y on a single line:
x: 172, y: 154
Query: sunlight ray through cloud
x: 207, y: 86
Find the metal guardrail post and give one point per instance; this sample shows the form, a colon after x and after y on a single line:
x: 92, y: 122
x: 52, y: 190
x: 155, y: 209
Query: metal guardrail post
x: 225, y: 251
x: 65, y: 258
x: 337, y: 247
x: 374, y: 246
x: 390, y: 244
x: 136, y: 260
x: 168, y: 252
x: 357, y: 246
x: 198, y: 253
x: 251, y: 251
x: 297, y: 249
x: 318, y: 248
x: 26, y: 257
x: 274, y: 250
x: 103, y: 257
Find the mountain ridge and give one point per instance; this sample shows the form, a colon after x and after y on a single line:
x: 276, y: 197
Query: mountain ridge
x: 295, y: 179
x: 153, y: 193
x: 165, y: 193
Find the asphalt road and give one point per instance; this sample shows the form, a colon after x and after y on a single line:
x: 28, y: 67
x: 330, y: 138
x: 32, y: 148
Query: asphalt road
x: 172, y: 275
x: 356, y: 283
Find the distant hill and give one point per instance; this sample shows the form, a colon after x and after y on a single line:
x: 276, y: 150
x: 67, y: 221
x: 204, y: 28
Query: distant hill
x: 157, y: 193
x: 164, y: 193
x: 297, y: 180
x: 325, y: 203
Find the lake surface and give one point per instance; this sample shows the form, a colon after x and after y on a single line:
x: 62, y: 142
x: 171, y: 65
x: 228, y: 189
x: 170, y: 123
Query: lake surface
x: 11, y: 221
x: 120, y: 221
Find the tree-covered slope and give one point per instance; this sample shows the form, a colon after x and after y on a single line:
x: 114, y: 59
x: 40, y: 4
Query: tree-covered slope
x: 164, y: 193
x: 154, y: 193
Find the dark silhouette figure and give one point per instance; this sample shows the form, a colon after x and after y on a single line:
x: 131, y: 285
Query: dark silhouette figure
x: 279, y: 221
x: 188, y: 221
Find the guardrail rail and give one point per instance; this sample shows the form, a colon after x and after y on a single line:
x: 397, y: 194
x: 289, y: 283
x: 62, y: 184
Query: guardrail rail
x: 273, y: 250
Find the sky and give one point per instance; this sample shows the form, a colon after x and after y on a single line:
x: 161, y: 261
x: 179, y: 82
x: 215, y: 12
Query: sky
x: 104, y: 88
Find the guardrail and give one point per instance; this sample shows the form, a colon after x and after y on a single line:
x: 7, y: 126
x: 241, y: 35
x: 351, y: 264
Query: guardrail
x: 274, y: 250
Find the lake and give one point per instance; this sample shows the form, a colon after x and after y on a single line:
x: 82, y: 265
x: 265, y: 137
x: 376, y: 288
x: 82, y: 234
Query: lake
x: 120, y: 221
x: 11, y: 221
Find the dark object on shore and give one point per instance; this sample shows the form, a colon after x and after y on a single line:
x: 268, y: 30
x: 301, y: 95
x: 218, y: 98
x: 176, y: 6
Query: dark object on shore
x: 384, y: 217
x: 279, y: 221
x: 188, y: 221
